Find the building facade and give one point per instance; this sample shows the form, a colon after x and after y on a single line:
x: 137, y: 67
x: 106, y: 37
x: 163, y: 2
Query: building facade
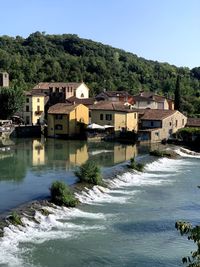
x: 121, y: 117
x: 158, y: 125
x: 33, y: 110
x: 66, y: 120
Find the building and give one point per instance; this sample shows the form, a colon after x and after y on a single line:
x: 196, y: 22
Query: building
x: 58, y: 92
x: 66, y: 120
x: 4, y: 79
x: 115, y: 96
x: 193, y: 122
x: 85, y: 101
x: 158, y: 125
x: 151, y: 100
x: 115, y: 114
x: 33, y: 110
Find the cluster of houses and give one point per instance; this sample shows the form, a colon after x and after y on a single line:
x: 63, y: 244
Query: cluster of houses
x: 68, y: 111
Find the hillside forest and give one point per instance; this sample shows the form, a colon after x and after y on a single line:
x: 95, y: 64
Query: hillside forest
x: 46, y: 58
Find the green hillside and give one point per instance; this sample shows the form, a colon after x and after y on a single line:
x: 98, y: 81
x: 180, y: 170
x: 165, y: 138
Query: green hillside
x: 67, y: 57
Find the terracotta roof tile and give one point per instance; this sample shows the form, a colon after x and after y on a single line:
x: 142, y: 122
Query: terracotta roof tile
x: 115, y: 106
x: 193, y: 122
x: 61, y: 108
x: 47, y: 85
x: 155, y: 114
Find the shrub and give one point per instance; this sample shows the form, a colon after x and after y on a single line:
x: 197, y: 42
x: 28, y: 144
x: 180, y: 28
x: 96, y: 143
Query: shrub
x: 15, y: 218
x: 61, y: 195
x: 136, y: 166
x: 160, y: 153
x: 89, y: 172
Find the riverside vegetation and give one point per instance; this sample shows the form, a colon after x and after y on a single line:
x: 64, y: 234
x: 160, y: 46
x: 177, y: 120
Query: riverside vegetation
x: 67, y: 58
x: 135, y: 166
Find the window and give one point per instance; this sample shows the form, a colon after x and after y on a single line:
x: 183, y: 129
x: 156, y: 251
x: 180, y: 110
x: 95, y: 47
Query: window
x: 176, y: 123
x: 57, y: 89
x: 157, y: 134
x: 27, y: 108
x: 27, y: 120
x: 101, y: 117
x: 108, y: 117
x: 58, y: 127
x: 59, y: 117
x: 27, y: 100
x: 82, y: 95
x: 170, y: 124
x: 135, y: 115
x: 38, y: 100
x: 38, y: 108
x: 183, y: 122
x: 152, y: 124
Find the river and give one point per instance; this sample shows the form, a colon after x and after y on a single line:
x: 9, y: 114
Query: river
x: 130, y: 223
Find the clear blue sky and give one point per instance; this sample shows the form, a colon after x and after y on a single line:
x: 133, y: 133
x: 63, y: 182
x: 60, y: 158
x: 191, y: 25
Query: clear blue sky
x: 162, y: 30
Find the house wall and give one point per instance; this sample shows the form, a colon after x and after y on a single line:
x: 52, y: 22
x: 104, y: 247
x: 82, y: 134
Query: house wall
x: 82, y: 91
x: 167, y: 127
x: 119, y: 119
x: 72, y: 123
x: 152, y: 104
x: 52, y: 122
x: 95, y: 117
x: 146, y: 104
x: 32, y: 116
x: 37, y: 104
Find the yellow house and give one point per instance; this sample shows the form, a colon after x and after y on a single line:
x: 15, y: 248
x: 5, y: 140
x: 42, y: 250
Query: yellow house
x: 66, y: 120
x: 33, y: 110
x: 119, y: 115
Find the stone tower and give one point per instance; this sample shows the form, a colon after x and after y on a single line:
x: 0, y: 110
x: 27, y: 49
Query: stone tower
x: 4, y: 79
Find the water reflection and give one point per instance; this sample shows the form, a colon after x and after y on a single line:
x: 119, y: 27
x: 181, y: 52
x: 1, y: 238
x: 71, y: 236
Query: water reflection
x: 22, y: 155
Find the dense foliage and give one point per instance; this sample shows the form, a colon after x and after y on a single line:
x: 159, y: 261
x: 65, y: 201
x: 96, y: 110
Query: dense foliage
x: 61, y: 195
x: 192, y: 233
x: 136, y: 166
x: 43, y: 57
x: 11, y: 100
x: 89, y: 172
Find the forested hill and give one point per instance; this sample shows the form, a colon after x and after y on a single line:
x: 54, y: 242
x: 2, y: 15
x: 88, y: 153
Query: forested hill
x: 67, y: 57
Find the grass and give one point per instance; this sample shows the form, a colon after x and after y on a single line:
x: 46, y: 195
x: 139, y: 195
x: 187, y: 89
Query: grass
x: 136, y: 166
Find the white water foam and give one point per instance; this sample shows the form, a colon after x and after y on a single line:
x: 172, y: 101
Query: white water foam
x: 167, y: 165
x: 183, y: 152
x: 99, y: 195
x: 48, y: 228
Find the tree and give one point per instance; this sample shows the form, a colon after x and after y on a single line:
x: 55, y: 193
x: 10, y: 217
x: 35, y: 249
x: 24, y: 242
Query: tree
x: 177, y: 95
x: 192, y: 233
x: 11, y: 100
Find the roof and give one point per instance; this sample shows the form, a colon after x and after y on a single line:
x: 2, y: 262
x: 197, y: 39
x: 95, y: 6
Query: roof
x: 156, y: 114
x: 84, y: 101
x: 116, y: 93
x: 33, y: 93
x: 112, y: 106
x: 149, y: 96
x: 47, y: 85
x: 61, y: 108
x: 193, y: 122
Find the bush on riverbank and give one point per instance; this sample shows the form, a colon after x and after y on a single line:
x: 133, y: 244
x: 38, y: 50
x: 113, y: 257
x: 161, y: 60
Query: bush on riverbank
x: 136, y: 166
x: 90, y: 173
x: 62, y: 195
